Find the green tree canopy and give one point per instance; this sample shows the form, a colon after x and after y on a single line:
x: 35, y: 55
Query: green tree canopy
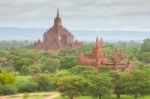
x: 117, y: 80
x: 83, y: 70
x: 144, y: 54
x: 100, y: 85
x: 51, y: 65
x: 67, y: 62
x: 72, y: 85
x: 137, y: 83
x: 44, y: 81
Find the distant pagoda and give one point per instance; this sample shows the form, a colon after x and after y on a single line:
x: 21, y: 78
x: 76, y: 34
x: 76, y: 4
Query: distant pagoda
x: 57, y: 37
x: 98, y: 58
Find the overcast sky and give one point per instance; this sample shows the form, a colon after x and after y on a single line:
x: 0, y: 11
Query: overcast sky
x: 77, y: 14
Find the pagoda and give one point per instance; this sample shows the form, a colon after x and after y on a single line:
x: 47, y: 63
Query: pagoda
x: 98, y: 58
x: 57, y: 37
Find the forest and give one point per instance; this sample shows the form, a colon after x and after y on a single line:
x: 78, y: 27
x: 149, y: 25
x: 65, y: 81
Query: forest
x: 27, y: 70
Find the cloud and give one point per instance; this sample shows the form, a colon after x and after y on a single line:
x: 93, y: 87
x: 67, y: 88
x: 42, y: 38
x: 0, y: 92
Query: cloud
x: 77, y: 14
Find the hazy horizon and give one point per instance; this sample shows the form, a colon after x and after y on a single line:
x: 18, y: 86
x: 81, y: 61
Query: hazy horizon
x: 33, y: 34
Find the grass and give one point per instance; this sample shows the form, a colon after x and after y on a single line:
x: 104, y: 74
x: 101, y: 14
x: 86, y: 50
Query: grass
x: 106, y: 97
x: 30, y: 97
x: 22, y: 77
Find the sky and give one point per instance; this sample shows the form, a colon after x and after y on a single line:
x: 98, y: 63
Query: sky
x: 129, y: 15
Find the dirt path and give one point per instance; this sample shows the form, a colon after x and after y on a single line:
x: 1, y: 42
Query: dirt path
x: 53, y: 95
x: 1, y: 97
x: 47, y: 95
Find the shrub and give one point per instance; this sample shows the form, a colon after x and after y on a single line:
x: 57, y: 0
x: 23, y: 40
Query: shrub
x: 26, y: 96
x: 44, y: 82
x: 27, y: 86
x: 7, y: 77
x: 8, y: 89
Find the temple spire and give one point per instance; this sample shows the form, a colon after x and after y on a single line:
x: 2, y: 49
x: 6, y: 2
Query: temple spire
x: 97, y: 40
x: 57, y: 12
x: 58, y: 21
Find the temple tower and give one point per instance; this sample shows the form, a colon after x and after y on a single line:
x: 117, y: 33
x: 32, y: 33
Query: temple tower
x: 57, y: 37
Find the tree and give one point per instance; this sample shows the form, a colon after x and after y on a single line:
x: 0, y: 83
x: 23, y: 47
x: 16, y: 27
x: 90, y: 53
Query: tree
x: 117, y: 80
x: 137, y: 83
x: 35, y: 69
x: 100, y: 85
x: 62, y: 73
x: 6, y: 64
x: 104, y: 69
x: 144, y: 57
x: 71, y: 85
x: 44, y: 81
x: 137, y: 65
x: 144, y: 54
x: 86, y: 48
x: 147, y: 69
x: 83, y: 70
x: 67, y: 52
x: 67, y: 62
x: 146, y: 46
x: 50, y: 65
x: 67, y: 58
x: 21, y: 65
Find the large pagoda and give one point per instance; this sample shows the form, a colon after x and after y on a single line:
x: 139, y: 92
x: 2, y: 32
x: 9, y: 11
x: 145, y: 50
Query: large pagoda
x: 57, y: 37
x: 98, y: 58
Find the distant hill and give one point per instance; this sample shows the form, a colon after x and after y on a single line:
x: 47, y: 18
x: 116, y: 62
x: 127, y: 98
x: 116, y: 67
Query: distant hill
x: 13, y: 33
x: 32, y: 34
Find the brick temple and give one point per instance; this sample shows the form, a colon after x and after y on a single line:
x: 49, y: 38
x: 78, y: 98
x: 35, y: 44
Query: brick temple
x: 98, y: 58
x: 57, y: 37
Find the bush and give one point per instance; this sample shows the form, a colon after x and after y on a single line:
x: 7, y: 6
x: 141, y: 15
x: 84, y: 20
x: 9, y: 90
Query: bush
x: 27, y: 86
x: 7, y: 90
x: 44, y: 82
x: 26, y: 96
x: 7, y: 77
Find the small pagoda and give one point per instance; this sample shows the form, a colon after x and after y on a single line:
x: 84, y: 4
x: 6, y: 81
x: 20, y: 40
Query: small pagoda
x: 98, y: 58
